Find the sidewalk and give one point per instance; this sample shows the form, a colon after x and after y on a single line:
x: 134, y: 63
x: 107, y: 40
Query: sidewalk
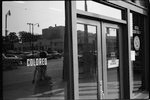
x: 28, y: 91
x: 142, y: 95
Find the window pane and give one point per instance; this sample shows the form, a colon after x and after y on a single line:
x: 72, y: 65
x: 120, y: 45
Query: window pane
x: 34, y: 28
x: 99, y: 8
x: 137, y: 54
x: 112, y: 46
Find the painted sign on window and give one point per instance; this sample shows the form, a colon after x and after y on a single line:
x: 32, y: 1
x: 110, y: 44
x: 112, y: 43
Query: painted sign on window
x: 36, y: 61
x: 113, y: 63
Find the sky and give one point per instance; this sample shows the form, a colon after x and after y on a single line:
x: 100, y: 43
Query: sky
x: 46, y: 13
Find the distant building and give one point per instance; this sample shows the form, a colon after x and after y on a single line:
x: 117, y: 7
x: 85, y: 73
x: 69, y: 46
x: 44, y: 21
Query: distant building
x: 42, y: 44
x: 52, y: 33
x: 52, y: 39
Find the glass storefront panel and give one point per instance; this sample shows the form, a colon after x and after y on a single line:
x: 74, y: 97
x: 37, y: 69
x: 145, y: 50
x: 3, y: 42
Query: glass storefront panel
x: 137, y: 53
x: 87, y: 60
x: 112, y: 57
x: 98, y: 8
x: 32, y: 29
x: 80, y: 5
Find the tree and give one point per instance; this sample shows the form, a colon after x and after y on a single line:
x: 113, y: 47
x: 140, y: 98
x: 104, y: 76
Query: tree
x: 12, y: 37
x: 25, y: 36
x: 28, y: 37
x: 36, y: 37
x: 8, y: 41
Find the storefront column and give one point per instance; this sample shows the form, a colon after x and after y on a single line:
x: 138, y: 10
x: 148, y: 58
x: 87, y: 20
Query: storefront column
x: 69, y: 47
x: 146, y: 53
x: 127, y: 74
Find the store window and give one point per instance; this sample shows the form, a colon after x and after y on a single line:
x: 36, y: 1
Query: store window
x: 32, y: 62
x: 98, y: 8
x: 137, y: 53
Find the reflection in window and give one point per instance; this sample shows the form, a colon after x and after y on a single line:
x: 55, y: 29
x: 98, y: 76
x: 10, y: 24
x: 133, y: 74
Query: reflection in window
x: 87, y: 55
x: 137, y: 55
x: 99, y: 8
x: 112, y: 47
x: 32, y: 28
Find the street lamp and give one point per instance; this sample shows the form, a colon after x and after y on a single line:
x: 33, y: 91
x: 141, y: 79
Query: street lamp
x: 32, y: 25
x: 7, y: 14
x: 33, y: 33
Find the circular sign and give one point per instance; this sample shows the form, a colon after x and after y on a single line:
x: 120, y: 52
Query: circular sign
x: 136, y: 43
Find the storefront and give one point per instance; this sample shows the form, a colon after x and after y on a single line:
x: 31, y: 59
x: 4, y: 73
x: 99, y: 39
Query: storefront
x: 109, y: 46
x: 96, y: 49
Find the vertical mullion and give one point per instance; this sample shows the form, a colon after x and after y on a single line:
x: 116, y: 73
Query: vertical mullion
x: 99, y: 67
x: 74, y: 51
x: 104, y: 65
x: 70, y: 51
x: 129, y: 54
x: 67, y: 53
x: 146, y: 53
x: 120, y: 31
x: 127, y: 73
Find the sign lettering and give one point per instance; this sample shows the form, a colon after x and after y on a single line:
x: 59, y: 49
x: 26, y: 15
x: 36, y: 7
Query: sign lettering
x: 36, y: 61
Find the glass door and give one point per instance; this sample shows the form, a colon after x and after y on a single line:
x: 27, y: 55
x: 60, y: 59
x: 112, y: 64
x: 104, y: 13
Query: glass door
x: 111, y: 60
x: 98, y: 60
x: 89, y: 59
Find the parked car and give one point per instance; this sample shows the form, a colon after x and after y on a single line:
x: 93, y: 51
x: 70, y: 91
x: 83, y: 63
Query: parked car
x: 49, y: 56
x: 10, y: 61
x: 33, y: 55
x: 26, y: 55
x: 55, y: 54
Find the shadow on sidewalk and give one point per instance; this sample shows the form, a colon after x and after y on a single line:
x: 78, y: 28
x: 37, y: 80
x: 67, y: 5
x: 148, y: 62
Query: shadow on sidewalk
x: 43, y: 85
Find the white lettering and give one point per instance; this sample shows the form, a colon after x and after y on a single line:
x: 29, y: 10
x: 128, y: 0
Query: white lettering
x: 28, y: 62
x: 39, y: 61
x: 36, y: 61
x: 45, y: 61
x: 42, y: 61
